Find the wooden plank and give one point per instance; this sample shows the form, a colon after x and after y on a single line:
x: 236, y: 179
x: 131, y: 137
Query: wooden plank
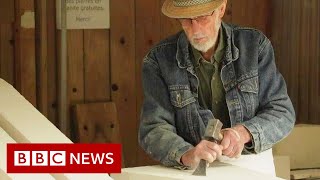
x: 41, y: 56
x: 123, y: 76
x: 304, y: 65
x: 276, y: 31
x: 6, y: 11
x: 314, y: 109
x: 75, y: 66
x: 251, y: 13
x: 228, y: 14
x: 169, y: 26
x: 97, y: 123
x: 25, y: 66
x: 75, y: 72
x: 52, y: 63
x: 297, y: 54
x: 305, y: 174
x: 97, y: 65
x: 286, y: 43
x: 147, y: 35
x: 293, y: 56
x: 317, y: 113
x: 1, y: 41
x: 6, y: 53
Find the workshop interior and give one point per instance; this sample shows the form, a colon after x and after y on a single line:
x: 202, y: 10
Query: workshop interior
x: 71, y: 72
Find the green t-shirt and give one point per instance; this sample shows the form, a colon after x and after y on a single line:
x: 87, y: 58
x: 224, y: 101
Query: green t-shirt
x: 211, y: 93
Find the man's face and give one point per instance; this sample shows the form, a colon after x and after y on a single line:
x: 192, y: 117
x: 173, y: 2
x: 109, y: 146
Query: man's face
x: 203, y: 31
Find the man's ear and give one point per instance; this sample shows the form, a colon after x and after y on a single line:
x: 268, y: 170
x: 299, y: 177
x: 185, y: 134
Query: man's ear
x: 222, y: 9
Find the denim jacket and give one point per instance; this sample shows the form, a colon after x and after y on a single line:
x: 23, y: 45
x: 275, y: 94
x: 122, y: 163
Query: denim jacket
x: 172, y: 121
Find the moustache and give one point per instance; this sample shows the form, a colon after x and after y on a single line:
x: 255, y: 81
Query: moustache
x: 198, y: 36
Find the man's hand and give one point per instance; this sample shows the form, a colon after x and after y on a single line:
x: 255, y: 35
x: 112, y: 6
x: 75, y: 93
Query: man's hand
x: 206, y: 150
x: 233, y: 140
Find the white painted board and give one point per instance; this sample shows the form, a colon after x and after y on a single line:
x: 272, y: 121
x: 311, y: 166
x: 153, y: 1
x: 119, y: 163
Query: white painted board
x: 219, y: 171
x: 250, y: 167
x: 5, y: 138
x: 25, y: 124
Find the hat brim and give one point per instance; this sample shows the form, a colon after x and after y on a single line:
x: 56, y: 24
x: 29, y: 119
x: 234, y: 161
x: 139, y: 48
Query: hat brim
x: 172, y: 11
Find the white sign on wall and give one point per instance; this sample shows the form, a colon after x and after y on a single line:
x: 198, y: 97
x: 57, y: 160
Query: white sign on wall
x: 85, y: 14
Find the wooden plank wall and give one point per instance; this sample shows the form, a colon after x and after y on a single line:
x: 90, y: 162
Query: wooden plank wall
x: 105, y: 65
x: 25, y: 56
x: 295, y: 36
x: 6, y: 41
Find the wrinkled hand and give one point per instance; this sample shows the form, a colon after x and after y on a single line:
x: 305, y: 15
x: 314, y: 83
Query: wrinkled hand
x: 206, y: 150
x: 233, y: 140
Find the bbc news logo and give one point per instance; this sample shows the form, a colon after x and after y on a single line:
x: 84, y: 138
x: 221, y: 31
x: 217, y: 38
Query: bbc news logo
x: 39, y: 158
x: 63, y: 158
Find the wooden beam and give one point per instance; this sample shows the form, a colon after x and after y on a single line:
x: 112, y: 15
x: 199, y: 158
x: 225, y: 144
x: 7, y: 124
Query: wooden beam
x: 41, y: 56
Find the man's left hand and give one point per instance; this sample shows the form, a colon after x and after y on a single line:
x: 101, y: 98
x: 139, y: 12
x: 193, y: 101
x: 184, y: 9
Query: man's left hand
x: 234, y: 139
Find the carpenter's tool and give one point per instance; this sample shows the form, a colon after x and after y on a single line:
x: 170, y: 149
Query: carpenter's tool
x: 213, y: 134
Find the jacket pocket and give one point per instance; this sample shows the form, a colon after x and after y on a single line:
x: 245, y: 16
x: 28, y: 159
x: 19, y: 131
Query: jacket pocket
x: 249, y: 90
x: 180, y: 96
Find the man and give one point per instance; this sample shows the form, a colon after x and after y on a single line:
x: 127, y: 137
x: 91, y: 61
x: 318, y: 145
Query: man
x: 211, y: 70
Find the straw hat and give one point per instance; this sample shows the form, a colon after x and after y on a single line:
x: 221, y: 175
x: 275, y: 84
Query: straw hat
x: 189, y: 8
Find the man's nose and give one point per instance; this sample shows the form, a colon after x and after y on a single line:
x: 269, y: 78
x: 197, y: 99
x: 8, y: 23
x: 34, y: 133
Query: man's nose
x: 195, y: 26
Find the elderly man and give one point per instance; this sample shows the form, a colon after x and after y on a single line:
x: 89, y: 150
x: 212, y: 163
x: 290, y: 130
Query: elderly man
x: 211, y: 70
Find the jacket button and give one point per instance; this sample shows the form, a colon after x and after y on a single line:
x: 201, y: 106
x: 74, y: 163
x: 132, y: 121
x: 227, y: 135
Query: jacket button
x: 178, y: 98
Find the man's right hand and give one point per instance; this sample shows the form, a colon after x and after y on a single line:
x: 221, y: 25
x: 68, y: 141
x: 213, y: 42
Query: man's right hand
x: 206, y: 150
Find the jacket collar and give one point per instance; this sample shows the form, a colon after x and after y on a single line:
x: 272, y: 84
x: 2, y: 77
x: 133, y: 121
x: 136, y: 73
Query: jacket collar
x: 183, y: 51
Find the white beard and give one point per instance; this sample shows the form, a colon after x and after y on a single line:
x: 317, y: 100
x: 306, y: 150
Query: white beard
x: 203, y: 47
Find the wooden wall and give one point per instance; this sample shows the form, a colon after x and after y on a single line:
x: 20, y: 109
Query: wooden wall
x: 105, y: 65
x: 295, y: 36
x: 7, y: 41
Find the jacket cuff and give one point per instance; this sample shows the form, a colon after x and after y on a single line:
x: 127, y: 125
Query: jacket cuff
x: 254, y: 145
x: 176, y: 156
